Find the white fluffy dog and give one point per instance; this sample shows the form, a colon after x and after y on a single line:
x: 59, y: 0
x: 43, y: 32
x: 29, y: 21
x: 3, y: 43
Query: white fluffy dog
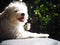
x: 12, y: 21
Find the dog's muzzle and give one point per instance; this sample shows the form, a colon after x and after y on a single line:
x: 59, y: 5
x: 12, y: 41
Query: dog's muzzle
x: 22, y: 18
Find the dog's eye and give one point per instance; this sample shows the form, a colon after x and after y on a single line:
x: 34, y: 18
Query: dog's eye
x: 16, y: 10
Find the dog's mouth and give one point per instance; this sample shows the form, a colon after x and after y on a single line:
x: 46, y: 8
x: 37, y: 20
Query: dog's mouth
x: 21, y: 19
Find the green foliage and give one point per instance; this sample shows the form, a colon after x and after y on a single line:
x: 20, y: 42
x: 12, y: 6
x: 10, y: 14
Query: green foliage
x: 47, y: 11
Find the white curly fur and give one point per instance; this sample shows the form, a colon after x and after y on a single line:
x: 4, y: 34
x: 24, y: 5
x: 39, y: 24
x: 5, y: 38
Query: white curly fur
x: 12, y: 22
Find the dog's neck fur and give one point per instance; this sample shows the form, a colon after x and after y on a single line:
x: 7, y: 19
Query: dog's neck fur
x: 11, y: 24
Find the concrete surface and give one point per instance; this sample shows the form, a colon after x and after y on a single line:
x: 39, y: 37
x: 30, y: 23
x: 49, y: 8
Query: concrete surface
x: 31, y: 41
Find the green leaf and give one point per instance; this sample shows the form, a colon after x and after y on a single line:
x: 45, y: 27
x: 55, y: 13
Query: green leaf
x: 39, y: 14
x: 46, y: 8
x: 56, y: 14
x: 41, y: 5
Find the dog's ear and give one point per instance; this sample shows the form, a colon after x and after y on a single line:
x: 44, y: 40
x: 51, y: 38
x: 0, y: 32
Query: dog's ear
x: 6, y: 12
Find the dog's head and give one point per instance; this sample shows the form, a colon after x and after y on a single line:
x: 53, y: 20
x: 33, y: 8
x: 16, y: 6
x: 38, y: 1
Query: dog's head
x: 17, y: 11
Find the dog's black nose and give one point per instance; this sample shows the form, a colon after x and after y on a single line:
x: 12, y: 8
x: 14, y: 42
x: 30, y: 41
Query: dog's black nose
x: 22, y: 14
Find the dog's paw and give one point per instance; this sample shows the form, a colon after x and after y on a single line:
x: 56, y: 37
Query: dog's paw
x: 44, y: 35
x: 27, y: 26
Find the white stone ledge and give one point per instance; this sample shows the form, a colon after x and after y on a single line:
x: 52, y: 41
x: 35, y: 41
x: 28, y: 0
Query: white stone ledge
x: 31, y: 41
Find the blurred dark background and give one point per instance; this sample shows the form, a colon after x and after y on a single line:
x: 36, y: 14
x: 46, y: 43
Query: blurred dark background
x: 44, y: 16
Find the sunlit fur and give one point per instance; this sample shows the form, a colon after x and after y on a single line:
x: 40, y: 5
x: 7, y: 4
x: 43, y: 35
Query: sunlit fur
x: 11, y: 27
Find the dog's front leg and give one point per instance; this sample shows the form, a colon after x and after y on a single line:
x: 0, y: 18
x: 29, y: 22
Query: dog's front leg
x: 27, y: 34
x: 35, y: 35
